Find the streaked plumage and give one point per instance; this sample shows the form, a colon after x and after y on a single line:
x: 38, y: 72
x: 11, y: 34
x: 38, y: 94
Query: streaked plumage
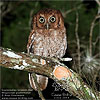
x: 47, y: 38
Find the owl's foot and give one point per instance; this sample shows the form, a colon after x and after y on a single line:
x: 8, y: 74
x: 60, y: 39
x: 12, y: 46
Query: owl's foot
x: 66, y: 59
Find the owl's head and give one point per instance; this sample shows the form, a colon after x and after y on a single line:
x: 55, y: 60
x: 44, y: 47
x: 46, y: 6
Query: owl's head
x: 48, y: 19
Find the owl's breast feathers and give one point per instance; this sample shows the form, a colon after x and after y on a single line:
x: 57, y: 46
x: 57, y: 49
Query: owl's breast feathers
x: 53, y: 43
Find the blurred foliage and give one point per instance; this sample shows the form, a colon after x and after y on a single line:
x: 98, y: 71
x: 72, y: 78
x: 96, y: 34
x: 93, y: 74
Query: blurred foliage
x: 15, y: 28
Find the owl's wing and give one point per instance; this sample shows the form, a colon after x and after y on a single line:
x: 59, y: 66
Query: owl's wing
x: 30, y: 46
x: 42, y: 80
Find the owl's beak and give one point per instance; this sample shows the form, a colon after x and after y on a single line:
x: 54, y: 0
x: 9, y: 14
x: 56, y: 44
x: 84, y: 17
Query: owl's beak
x: 47, y: 26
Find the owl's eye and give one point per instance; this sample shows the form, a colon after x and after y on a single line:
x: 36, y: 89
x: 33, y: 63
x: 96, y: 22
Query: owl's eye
x: 52, y: 19
x: 41, y: 20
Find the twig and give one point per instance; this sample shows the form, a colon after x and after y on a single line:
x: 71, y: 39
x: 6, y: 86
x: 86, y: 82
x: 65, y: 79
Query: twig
x: 77, y: 40
x: 97, y: 55
x: 37, y: 86
x: 9, y: 8
x: 70, y: 10
x: 97, y: 40
x: 91, y: 33
x: 98, y: 2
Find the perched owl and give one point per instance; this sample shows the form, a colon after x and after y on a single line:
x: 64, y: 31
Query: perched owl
x: 47, y: 38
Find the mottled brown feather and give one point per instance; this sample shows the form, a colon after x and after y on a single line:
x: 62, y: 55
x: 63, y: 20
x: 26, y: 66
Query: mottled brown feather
x: 50, y: 42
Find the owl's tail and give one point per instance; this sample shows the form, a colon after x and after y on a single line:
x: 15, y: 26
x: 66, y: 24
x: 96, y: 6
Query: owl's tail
x: 42, y: 80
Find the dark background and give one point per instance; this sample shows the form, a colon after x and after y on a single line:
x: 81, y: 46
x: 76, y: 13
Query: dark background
x: 16, y: 25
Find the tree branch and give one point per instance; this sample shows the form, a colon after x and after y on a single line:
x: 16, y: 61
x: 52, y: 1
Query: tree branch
x: 91, y: 33
x: 51, y: 67
x: 77, y: 40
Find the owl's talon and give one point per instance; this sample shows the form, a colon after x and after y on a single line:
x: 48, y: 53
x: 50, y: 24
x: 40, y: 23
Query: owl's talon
x: 65, y: 59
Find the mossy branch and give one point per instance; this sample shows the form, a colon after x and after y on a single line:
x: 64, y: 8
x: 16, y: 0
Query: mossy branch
x: 50, y: 67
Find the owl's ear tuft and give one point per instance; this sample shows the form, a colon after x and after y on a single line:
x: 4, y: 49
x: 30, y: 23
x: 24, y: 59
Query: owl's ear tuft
x: 61, y: 19
x: 33, y: 22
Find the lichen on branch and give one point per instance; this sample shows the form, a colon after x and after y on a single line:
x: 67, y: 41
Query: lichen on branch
x: 50, y: 67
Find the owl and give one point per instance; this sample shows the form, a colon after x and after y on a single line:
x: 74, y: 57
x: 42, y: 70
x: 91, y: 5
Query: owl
x: 47, y: 38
